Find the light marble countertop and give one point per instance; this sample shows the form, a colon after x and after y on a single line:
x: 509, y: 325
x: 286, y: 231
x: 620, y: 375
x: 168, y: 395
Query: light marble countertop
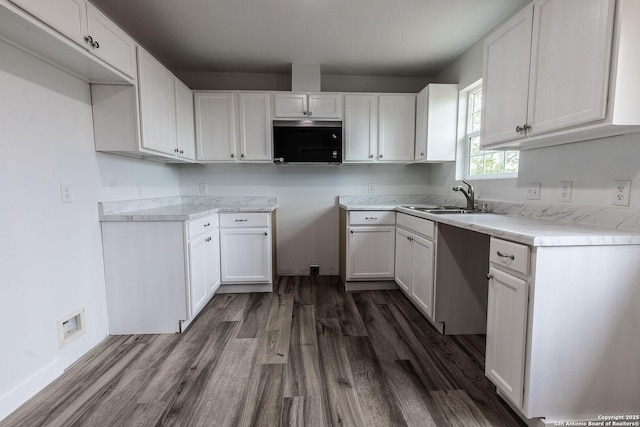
x: 526, y: 230
x: 185, y: 208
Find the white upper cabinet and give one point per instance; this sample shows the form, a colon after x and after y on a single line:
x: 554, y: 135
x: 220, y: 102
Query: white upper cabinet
x: 360, y: 127
x: 562, y: 71
x: 111, y: 43
x: 81, y: 22
x: 234, y: 126
x: 157, y: 105
x: 216, y: 126
x: 396, y: 127
x: 379, y: 128
x: 314, y: 106
x: 436, y: 122
x: 185, y: 125
x: 69, y: 17
x: 255, y: 126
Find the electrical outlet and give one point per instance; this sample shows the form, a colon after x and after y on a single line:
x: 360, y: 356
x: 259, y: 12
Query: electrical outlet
x: 314, y: 270
x: 66, y: 196
x: 533, y: 191
x: 372, y: 189
x: 204, y: 188
x: 565, y: 191
x: 621, y: 193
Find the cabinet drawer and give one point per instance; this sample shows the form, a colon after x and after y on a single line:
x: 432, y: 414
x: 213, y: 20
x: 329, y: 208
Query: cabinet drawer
x: 372, y: 218
x: 199, y: 226
x: 417, y: 225
x: 244, y: 220
x: 508, y: 254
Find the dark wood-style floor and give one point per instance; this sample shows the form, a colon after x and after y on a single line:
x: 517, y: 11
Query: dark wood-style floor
x: 308, y: 354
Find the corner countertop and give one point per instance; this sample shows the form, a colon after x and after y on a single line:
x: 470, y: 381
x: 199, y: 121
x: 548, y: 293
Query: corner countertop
x: 182, y: 208
x: 526, y: 230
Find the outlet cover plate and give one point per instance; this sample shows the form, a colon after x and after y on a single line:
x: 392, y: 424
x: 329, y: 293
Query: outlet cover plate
x: 565, y: 191
x: 621, y: 193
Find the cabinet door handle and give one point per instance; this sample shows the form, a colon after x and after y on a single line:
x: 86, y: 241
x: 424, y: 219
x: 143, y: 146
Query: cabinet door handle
x: 500, y: 254
x: 207, y: 224
x: 370, y: 217
x: 489, y: 276
x: 181, y: 151
x: 96, y: 45
x: 241, y: 220
x: 351, y: 231
x: 89, y: 40
x: 422, y: 154
x: 208, y: 239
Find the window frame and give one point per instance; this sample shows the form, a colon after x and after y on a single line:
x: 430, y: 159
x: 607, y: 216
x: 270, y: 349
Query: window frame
x: 464, y: 138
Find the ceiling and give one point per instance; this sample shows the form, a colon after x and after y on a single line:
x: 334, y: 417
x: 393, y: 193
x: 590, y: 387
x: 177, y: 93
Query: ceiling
x: 356, y: 37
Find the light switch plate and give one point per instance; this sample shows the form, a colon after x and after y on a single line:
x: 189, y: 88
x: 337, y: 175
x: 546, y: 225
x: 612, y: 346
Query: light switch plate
x: 533, y: 191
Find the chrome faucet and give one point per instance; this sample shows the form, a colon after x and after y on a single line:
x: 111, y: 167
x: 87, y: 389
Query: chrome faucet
x: 468, y: 194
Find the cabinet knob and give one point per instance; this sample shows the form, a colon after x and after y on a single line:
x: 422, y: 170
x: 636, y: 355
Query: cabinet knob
x: 519, y: 128
x: 96, y: 45
x: 207, y: 224
x: 242, y: 155
x: 351, y: 231
x: 371, y: 156
x: 380, y: 156
x: 422, y: 154
x: 305, y: 113
x: 489, y: 276
x: 526, y: 127
x: 89, y: 40
x: 232, y: 155
x: 266, y: 234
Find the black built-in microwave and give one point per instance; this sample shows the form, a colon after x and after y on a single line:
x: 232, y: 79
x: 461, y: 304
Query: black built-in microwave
x: 307, y: 141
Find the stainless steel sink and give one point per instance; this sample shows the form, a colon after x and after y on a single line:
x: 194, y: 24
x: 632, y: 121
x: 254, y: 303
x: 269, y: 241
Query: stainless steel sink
x: 442, y: 209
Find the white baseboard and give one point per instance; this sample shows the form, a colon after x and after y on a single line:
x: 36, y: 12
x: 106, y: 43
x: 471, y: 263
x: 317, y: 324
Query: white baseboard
x: 240, y: 289
x: 385, y: 285
x: 14, y: 398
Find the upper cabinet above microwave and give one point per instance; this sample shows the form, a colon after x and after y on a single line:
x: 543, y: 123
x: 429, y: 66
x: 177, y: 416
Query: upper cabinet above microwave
x: 73, y: 35
x: 313, y: 105
x: 562, y: 71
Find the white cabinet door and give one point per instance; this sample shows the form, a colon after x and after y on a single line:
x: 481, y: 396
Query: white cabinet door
x: 198, y: 286
x: 290, y: 105
x: 403, y: 259
x: 157, y: 105
x: 436, y: 123
x: 111, y: 43
x: 255, y: 127
x: 215, y: 126
x: 67, y: 16
x: 245, y: 255
x: 325, y: 106
x: 570, y: 62
x: 505, y: 79
x: 186, y: 139
x: 506, y: 333
x: 212, y: 266
x: 396, y: 127
x: 360, y: 127
x: 371, y: 252
x: 422, y: 256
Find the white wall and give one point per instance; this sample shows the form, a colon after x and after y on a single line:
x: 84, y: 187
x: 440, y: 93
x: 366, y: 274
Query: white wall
x: 51, y: 253
x: 307, y: 215
x: 199, y: 80
x: 591, y: 165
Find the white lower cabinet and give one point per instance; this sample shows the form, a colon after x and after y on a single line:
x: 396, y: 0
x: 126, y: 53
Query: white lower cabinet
x: 246, y: 248
x: 367, y: 245
x: 204, y: 270
x: 414, y: 260
x: 159, y: 274
x: 506, y: 333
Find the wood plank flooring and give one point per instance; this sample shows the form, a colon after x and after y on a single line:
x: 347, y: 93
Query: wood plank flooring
x: 308, y: 354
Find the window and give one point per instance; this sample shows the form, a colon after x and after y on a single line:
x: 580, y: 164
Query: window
x: 484, y: 163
